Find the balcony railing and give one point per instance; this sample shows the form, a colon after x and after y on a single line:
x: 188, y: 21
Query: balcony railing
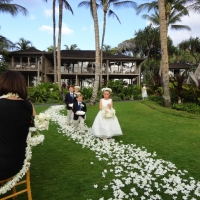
x: 34, y: 67
x: 92, y: 71
x: 23, y: 66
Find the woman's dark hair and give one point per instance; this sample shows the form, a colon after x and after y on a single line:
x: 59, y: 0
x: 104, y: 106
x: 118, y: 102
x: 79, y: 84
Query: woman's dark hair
x: 14, y: 82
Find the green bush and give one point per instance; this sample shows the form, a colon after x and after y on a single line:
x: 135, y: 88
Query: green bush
x: 43, y: 92
x: 189, y: 107
x: 157, y: 99
x: 86, y: 92
x: 53, y: 101
x: 49, y: 92
x: 116, y: 98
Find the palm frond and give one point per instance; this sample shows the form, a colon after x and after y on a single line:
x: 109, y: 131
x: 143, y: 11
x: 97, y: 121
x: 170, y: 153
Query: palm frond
x: 67, y: 6
x: 85, y: 4
x: 125, y: 4
x: 88, y: 4
x: 154, y: 18
x: 6, y: 42
x: 180, y: 27
x: 195, y: 6
x: 13, y: 9
x: 111, y: 13
x: 147, y: 6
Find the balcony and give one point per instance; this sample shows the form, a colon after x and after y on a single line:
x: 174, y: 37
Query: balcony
x: 92, y: 71
x: 73, y: 70
x: 24, y: 66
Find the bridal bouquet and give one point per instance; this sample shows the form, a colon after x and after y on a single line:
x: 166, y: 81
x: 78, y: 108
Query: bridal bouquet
x: 39, y: 123
x: 108, y: 113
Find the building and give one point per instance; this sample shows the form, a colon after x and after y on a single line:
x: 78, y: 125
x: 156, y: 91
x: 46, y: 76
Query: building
x: 76, y: 65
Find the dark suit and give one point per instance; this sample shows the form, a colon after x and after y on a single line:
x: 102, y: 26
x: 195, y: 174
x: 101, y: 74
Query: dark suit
x: 68, y: 100
x: 76, y: 108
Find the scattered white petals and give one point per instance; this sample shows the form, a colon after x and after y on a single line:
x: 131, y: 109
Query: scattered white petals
x: 132, y: 166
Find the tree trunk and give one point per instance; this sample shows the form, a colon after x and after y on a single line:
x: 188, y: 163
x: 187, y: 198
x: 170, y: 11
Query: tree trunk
x: 197, y: 73
x: 59, y: 44
x: 102, y: 42
x: 97, y: 55
x: 164, y: 61
x: 54, y: 42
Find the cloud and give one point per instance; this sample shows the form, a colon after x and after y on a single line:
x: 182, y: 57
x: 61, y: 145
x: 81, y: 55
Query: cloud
x: 49, y: 29
x: 48, y: 12
x: 193, y: 22
x: 179, y: 35
x: 66, y: 30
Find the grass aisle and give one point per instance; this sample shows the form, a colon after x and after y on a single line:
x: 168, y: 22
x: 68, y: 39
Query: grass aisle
x: 62, y: 169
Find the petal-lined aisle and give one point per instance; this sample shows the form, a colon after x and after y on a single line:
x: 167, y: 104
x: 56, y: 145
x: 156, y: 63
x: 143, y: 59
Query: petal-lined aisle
x: 133, y: 166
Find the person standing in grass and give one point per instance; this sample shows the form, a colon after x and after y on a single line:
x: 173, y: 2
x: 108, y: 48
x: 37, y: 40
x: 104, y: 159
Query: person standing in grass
x: 79, y: 109
x: 144, y: 92
x: 106, y: 124
x: 69, y: 100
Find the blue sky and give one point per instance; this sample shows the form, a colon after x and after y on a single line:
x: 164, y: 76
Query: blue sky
x: 78, y: 28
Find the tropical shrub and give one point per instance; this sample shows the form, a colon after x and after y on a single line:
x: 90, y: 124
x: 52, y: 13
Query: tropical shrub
x: 86, y: 92
x: 116, y: 86
x: 156, y: 98
x: 129, y: 92
x: 44, y: 92
x: 189, y: 107
x: 189, y: 93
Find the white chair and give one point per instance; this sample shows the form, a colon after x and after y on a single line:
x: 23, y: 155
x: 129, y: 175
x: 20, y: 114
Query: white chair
x: 18, y: 66
x: 85, y: 70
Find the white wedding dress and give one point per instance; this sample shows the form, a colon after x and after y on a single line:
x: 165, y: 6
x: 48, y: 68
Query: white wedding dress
x: 106, y: 127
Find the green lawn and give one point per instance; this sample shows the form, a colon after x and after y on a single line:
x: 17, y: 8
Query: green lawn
x: 61, y: 169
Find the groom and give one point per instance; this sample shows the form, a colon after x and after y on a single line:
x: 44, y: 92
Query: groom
x: 79, y: 119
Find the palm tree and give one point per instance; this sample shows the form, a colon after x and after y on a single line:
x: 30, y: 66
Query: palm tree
x: 164, y: 61
x: 5, y: 45
x: 105, y: 5
x: 97, y: 56
x: 54, y: 39
x: 107, y: 48
x: 68, y: 7
x: 23, y: 44
x: 174, y: 10
x: 13, y: 9
x: 50, y: 49
x: 6, y: 6
x: 195, y: 6
x: 71, y: 47
x: 193, y: 46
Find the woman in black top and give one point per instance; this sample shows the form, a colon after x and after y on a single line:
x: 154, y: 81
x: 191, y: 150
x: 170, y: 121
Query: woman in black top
x: 15, y: 117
